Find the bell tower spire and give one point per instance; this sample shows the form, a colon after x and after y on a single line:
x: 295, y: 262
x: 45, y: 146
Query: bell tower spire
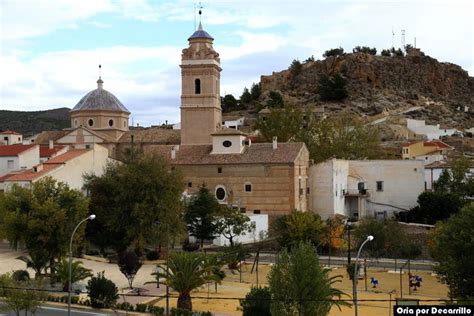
x: 201, y: 113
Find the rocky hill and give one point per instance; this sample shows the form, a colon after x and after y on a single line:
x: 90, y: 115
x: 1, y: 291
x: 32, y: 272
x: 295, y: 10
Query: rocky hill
x: 384, y: 87
x: 30, y: 123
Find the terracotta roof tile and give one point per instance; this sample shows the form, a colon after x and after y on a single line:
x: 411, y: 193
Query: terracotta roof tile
x: 14, y: 150
x: 30, y: 174
x: 229, y: 131
x: 152, y: 135
x: 254, y: 154
x: 9, y: 133
x: 67, y: 156
x: 45, y: 151
x: 46, y: 136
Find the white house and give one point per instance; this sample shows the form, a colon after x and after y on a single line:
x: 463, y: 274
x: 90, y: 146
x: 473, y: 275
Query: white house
x: 365, y: 188
x: 10, y: 138
x: 234, y: 123
x: 69, y: 167
x: 18, y: 157
x: 418, y: 128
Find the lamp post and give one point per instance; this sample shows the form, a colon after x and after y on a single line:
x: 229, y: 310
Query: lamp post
x: 354, y: 279
x: 91, y: 217
x: 349, y: 227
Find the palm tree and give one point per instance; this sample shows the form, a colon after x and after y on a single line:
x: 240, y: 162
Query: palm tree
x: 187, y: 272
x: 78, y: 272
x: 38, y: 261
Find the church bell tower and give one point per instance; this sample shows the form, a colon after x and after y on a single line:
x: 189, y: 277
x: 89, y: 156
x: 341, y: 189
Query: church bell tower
x: 201, y: 113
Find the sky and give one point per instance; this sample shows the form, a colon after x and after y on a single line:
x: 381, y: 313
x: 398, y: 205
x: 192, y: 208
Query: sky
x: 50, y: 49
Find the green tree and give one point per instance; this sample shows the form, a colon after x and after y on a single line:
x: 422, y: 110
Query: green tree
x: 432, y: 207
x: 246, y: 97
x: 78, y: 272
x: 255, y: 91
x: 342, y: 137
x: 336, y: 52
x: 201, y: 215
x: 295, y: 68
x: 256, y: 302
x: 229, y: 103
x: 297, y: 227
x: 300, y: 286
x: 386, y: 52
x: 284, y: 123
x: 332, y: 88
x: 136, y: 203
x: 390, y: 240
x: 452, y: 245
x: 38, y: 260
x: 365, y: 49
x: 20, y: 296
x: 275, y: 100
x: 102, y: 291
x: 457, y: 179
x: 41, y: 219
x: 129, y: 263
x: 232, y: 223
x: 396, y: 52
x: 187, y: 271
x: 309, y: 59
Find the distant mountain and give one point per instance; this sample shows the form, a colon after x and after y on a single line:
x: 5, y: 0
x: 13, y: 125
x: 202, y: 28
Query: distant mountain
x: 30, y: 123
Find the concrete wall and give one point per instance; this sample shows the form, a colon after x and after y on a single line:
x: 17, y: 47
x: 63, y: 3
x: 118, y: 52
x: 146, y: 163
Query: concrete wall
x: 334, y: 186
x: 403, y: 182
x: 236, y: 148
x: 29, y: 158
x: 328, y: 182
x: 94, y: 161
x: 261, y: 229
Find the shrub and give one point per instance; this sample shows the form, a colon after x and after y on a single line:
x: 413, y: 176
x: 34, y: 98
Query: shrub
x: 152, y: 255
x: 386, y: 52
x: 365, y: 49
x: 188, y: 246
x: 334, y: 52
x: 102, y: 291
x: 156, y: 310
x: 140, y: 308
x: 20, y: 275
x: 295, y: 68
x: 256, y: 302
x: 332, y: 87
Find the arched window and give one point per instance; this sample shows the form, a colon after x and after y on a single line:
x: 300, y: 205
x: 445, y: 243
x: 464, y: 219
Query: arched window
x: 197, y: 86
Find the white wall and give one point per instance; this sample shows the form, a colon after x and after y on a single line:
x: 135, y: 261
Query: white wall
x: 29, y: 158
x: 403, y: 182
x: 73, y: 171
x: 261, y: 228
x: 327, y: 181
x: 432, y: 175
x: 218, y: 147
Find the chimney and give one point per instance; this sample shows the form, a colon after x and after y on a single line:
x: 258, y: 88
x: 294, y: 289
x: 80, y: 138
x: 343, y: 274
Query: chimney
x: 38, y: 168
x: 51, y: 144
x: 275, y: 142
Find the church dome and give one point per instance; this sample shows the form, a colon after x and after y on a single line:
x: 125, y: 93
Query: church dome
x: 200, y: 33
x: 100, y: 100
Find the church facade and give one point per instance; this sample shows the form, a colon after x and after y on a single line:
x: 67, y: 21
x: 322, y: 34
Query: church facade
x: 257, y: 178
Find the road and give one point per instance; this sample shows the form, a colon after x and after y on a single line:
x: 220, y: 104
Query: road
x: 53, y: 311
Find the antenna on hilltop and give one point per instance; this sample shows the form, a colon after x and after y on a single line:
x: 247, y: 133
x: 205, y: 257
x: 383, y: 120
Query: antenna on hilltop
x: 393, y: 38
x: 415, y: 42
x: 403, y: 39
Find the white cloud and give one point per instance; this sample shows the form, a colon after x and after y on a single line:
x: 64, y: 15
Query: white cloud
x: 27, y: 19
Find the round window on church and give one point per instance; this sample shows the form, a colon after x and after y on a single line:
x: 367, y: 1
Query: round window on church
x: 90, y: 122
x: 220, y: 193
x: 227, y: 143
x: 111, y: 123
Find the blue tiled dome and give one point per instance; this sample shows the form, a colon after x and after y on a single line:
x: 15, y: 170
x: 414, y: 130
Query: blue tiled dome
x: 200, y: 33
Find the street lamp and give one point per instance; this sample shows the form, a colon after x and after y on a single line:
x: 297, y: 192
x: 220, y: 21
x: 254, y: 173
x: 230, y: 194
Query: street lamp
x: 91, y: 217
x: 348, y: 228
x: 354, y: 279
